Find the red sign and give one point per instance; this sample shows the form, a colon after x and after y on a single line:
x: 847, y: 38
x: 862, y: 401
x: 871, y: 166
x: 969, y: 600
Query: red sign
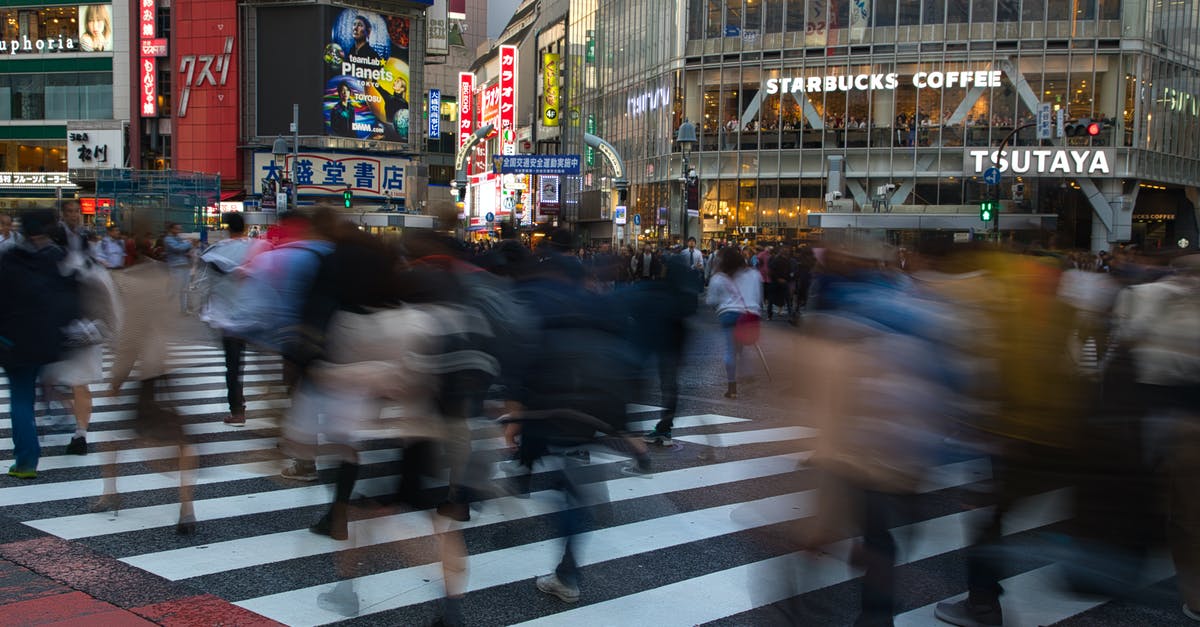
x: 508, y: 100
x: 457, y: 10
x: 149, y: 85
x: 205, y: 83
x: 156, y: 47
x: 466, y: 110
x: 491, y: 106
x: 149, y: 89
x: 88, y: 206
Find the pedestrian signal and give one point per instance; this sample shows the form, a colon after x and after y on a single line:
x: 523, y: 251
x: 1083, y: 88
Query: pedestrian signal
x: 347, y: 199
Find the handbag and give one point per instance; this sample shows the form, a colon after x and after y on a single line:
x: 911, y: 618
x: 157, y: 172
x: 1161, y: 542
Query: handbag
x: 748, y: 326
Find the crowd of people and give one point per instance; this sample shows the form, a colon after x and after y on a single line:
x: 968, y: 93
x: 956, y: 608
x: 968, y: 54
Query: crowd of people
x: 902, y: 361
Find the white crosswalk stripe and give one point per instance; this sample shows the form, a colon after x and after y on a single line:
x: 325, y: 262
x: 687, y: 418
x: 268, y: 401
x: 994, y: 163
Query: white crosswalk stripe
x: 752, y: 482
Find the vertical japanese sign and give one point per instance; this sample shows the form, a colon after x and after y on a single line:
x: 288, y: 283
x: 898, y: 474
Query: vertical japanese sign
x: 437, y: 29
x: 508, y: 100
x: 366, y: 72
x: 550, y: 103
x: 466, y: 109
x: 149, y: 64
x: 435, y: 114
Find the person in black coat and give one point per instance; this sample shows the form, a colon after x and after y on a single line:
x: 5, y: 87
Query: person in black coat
x: 39, y: 300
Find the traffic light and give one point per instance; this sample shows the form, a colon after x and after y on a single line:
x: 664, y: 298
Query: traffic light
x: 987, y: 210
x: 1083, y: 127
x: 347, y: 199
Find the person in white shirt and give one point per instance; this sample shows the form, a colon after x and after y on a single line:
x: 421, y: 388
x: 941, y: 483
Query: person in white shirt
x: 734, y: 289
x: 111, y: 253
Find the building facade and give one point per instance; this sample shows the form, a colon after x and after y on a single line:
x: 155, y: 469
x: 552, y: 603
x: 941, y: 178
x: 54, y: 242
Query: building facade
x: 884, y: 115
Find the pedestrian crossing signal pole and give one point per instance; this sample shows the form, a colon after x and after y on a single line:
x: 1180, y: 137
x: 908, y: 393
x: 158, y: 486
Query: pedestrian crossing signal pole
x: 996, y: 194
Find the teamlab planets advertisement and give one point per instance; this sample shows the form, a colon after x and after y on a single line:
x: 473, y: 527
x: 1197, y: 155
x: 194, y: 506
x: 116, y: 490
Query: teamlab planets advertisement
x: 367, y: 76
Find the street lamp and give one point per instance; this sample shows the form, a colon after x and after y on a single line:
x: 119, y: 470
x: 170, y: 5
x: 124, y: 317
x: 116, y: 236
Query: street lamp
x: 280, y: 150
x: 686, y: 138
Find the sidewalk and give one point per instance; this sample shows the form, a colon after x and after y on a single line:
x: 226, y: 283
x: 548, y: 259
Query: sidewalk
x: 50, y: 581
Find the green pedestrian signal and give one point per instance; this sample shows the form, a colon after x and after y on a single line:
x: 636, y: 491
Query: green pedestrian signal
x: 987, y: 210
x: 348, y: 199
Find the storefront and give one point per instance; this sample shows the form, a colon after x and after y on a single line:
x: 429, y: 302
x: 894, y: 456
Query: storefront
x: 812, y: 107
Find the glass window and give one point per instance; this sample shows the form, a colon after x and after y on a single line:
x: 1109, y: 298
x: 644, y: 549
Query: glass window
x: 1006, y: 10
x: 795, y: 16
x: 696, y: 19
x: 773, y: 18
x: 714, y: 26
x: 957, y: 11
x: 885, y: 13
x: 753, y: 12
x: 1034, y: 10
x: 934, y: 12
x: 982, y: 11
x: 910, y: 14
x: 86, y: 95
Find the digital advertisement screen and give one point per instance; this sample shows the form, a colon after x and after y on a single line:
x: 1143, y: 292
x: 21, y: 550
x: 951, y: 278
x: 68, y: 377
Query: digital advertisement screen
x: 367, y: 76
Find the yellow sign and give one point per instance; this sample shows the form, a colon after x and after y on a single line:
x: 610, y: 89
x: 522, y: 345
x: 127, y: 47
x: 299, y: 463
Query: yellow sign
x: 550, y: 102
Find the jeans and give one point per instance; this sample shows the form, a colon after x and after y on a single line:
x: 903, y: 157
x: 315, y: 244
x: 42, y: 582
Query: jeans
x: 732, y: 348
x: 22, y: 383
x: 179, y: 284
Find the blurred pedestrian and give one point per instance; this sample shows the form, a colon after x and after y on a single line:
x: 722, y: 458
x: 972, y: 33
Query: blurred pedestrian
x: 735, y: 290
x: 39, y: 301
x: 179, y: 263
x: 8, y: 236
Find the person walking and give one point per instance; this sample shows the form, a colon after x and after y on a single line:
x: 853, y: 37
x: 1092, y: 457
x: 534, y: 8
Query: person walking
x: 8, y: 237
x: 111, y: 253
x: 179, y: 262
x: 222, y: 263
x: 38, y: 303
x: 735, y: 290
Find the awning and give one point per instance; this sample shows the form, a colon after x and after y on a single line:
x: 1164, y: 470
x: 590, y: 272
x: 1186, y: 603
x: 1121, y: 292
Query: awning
x: 237, y: 194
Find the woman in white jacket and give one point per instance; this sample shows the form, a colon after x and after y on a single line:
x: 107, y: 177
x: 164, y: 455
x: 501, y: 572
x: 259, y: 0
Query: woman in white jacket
x: 734, y: 289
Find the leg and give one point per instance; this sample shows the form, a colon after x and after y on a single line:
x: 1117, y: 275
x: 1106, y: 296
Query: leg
x: 234, y: 348
x: 877, y: 559
x: 669, y: 359
x: 22, y: 382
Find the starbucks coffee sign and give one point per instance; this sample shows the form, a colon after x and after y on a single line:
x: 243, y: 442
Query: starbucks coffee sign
x: 1035, y: 161
x: 889, y: 81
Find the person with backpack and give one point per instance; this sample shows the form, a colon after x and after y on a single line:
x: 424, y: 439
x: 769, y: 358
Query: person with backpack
x: 39, y: 301
x: 220, y: 270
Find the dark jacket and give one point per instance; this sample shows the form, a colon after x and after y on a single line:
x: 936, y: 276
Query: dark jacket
x: 37, y: 302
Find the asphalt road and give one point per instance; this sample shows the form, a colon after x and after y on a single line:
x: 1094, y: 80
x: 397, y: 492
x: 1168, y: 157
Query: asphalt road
x: 711, y: 537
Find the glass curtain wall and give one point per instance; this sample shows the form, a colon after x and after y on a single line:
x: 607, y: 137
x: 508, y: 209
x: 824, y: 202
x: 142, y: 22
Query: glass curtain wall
x: 770, y: 138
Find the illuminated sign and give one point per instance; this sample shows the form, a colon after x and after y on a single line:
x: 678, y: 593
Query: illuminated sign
x: 35, y: 179
x: 649, y: 101
x: 149, y: 65
x: 331, y: 173
x: 508, y: 98
x: 91, y: 149
x: 466, y: 110
x: 872, y: 82
x: 1056, y: 161
x: 550, y: 100
x: 435, y: 114
x: 44, y: 30
x: 156, y: 47
x: 366, y: 92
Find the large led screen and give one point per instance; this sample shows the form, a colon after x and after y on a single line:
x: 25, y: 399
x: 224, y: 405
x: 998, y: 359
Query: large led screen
x: 367, y: 76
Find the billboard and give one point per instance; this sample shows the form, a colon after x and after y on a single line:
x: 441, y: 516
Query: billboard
x: 367, y: 76
x: 550, y: 102
x: 207, y: 102
x: 325, y: 173
x: 508, y: 100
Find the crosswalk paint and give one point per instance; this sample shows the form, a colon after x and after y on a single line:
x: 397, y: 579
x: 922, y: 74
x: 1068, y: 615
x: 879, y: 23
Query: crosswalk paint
x: 758, y: 436
x: 216, y: 557
x: 743, y: 588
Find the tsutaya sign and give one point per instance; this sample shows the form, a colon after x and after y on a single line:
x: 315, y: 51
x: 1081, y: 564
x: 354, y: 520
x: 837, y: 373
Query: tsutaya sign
x: 1055, y: 161
x: 871, y: 82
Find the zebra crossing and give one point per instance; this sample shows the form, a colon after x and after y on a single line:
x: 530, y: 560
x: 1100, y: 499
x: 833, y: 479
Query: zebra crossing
x: 704, y: 539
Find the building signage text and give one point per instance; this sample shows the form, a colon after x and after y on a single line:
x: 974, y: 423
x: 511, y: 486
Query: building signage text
x: 329, y: 173
x: 872, y: 82
x: 1054, y: 161
x: 508, y: 100
x: 196, y: 69
x: 149, y: 62
x: 649, y: 101
x: 91, y: 149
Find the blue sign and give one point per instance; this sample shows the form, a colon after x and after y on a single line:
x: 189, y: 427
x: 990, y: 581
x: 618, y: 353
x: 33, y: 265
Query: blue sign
x: 537, y: 164
x: 435, y: 114
x: 637, y: 219
x: 490, y: 217
x: 992, y: 176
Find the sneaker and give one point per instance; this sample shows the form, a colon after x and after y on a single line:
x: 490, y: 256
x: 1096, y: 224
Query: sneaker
x: 551, y: 584
x: 662, y: 438
x: 78, y: 446
x: 966, y: 614
x: 21, y: 473
x: 300, y: 471
x: 1190, y: 613
x: 236, y: 420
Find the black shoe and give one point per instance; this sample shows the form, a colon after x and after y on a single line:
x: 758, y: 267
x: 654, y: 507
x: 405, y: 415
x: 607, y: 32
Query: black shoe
x: 78, y: 446
x: 455, y: 511
x: 186, y: 525
x: 327, y: 526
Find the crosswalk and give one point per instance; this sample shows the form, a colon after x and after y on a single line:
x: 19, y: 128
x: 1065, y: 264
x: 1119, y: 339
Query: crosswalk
x: 707, y: 538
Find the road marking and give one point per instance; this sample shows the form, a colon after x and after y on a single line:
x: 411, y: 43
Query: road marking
x: 758, y: 436
x: 254, y: 551
x: 743, y: 588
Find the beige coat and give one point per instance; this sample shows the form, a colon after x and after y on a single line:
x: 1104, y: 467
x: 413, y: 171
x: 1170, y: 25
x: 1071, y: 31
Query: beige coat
x: 149, y: 322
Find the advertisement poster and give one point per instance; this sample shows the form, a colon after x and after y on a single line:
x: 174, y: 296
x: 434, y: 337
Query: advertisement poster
x: 366, y: 72
x: 548, y: 194
x: 95, y: 28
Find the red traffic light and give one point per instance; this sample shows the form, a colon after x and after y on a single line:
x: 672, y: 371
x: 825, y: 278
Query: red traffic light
x: 1093, y: 129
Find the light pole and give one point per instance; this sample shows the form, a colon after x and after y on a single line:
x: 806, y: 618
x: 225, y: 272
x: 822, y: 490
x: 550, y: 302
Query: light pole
x: 686, y: 138
x: 280, y: 150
